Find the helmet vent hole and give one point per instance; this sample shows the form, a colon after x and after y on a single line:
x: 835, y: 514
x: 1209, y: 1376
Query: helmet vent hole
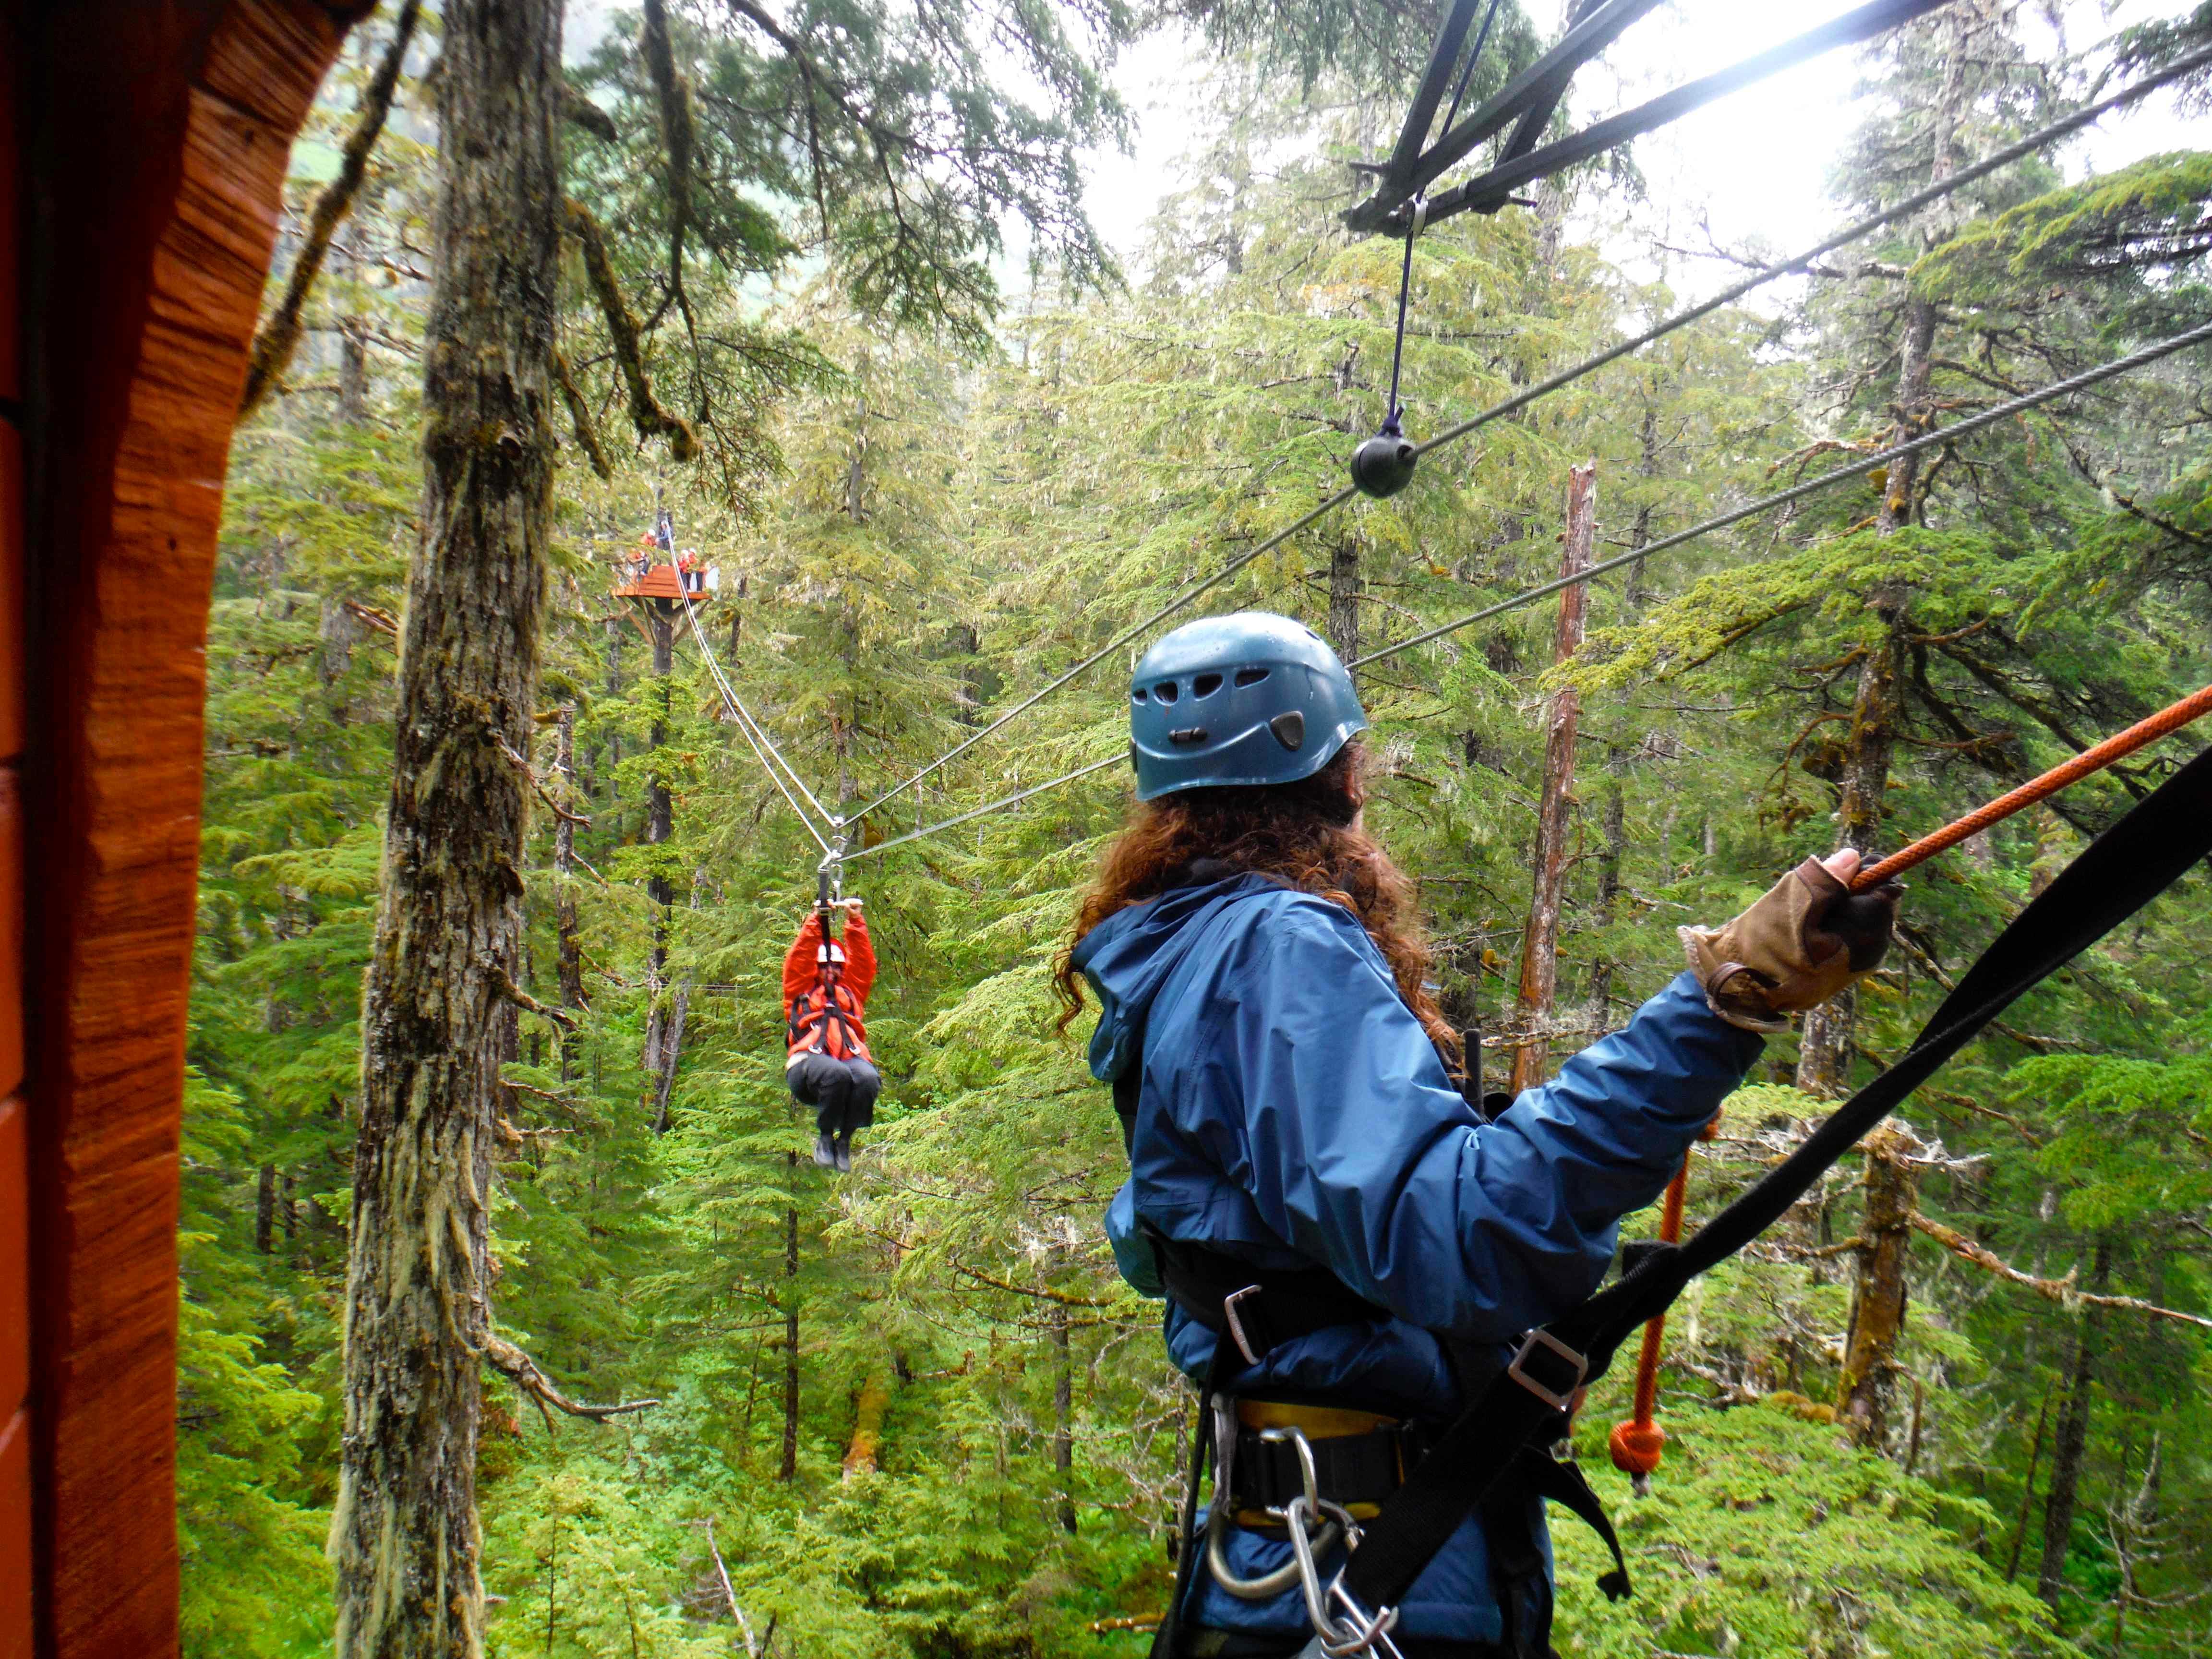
x: 1167, y: 691
x: 1205, y: 685
x: 1137, y: 695
x: 1249, y: 677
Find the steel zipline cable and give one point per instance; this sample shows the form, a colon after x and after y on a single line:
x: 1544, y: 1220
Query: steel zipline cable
x: 1909, y: 205
x: 2202, y: 334
x: 757, y: 736
x: 1854, y: 469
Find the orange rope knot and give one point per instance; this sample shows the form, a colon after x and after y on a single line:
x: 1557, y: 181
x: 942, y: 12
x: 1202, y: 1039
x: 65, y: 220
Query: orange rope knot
x: 1636, y: 1447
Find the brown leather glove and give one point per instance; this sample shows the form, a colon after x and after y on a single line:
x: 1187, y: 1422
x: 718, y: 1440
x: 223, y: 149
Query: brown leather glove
x: 1806, y: 940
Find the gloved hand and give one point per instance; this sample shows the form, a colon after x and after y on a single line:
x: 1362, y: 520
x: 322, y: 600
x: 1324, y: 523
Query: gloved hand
x: 1807, y: 938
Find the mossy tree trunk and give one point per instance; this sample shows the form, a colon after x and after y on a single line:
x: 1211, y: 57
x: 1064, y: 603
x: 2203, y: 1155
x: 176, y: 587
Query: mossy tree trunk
x: 1877, y: 701
x: 1540, y: 940
x: 447, y: 951
x: 2071, y: 1445
x: 1869, y: 1385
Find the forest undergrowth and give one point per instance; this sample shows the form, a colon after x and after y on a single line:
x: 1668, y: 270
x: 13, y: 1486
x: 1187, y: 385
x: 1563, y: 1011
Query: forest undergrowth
x: 912, y: 1410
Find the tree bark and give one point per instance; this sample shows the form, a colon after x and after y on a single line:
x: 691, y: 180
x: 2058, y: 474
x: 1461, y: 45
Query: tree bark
x: 1825, y: 1046
x: 1540, y: 940
x: 447, y: 948
x: 353, y: 371
x: 1343, y: 596
x: 264, y: 1210
x: 1609, y: 885
x: 659, y: 826
x: 1879, y: 1290
x: 568, y: 953
x: 2070, y: 1444
x: 2027, y: 1488
x: 1063, y: 1418
x: 788, y: 1469
x: 868, y: 1410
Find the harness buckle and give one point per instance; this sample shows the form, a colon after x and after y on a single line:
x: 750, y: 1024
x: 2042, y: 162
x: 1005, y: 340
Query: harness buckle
x: 1236, y: 1333
x: 1559, y: 1400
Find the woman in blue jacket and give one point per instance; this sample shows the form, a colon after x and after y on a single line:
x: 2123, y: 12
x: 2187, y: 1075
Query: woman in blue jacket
x: 1285, y: 1082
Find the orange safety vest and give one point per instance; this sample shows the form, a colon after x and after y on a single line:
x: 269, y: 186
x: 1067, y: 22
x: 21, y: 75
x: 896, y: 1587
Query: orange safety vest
x: 818, y: 1023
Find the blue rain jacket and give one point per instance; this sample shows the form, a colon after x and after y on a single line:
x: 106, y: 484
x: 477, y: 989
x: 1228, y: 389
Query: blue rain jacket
x: 1292, y: 1111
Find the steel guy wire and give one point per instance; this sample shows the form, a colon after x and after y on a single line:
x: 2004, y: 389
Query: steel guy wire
x: 1910, y: 204
x: 1112, y: 646
x: 747, y: 724
x: 979, y: 812
x: 715, y: 667
x: 2200, y: 335
x: 2150, y: 353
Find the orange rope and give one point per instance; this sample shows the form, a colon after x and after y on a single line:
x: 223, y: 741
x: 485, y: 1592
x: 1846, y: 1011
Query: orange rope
x: 1636, y: 1444
x: 2057, y: 778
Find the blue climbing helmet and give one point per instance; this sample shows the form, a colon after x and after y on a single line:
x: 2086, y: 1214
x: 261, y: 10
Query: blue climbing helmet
x: 1241, y: 699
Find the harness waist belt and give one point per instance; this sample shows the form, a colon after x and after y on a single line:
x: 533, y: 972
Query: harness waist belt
x: 1256, y: 1308
x: 1359, y: 1458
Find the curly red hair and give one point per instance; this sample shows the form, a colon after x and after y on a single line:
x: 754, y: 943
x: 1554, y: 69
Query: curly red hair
x: 1307, y: 834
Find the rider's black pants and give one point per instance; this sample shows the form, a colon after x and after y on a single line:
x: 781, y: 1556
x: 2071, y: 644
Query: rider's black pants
x: 842, y: 1091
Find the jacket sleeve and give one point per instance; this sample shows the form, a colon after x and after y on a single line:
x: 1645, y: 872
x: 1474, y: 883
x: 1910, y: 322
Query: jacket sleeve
x: 1355, y: 1148
x: 860, y: 956
x: 799, y: 966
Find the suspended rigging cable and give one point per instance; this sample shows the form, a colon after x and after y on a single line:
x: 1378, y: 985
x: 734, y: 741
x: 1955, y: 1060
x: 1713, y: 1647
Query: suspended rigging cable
x: 2027, y: 146
x: 1856, y: 469
x: 756, y: 735
x: 1391, y: 410
x: 998, y: 806
x: 1114, y: 645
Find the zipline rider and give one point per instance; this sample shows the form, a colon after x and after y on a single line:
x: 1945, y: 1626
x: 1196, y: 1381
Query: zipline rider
x: 1348, y: 1251
x: 825, y: 997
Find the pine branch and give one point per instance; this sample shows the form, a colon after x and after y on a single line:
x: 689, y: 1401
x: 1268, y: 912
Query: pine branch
x: 2052, y: 1290
x: 274, y: 341
x: 646, y: 412
x: 523, y: 1371
x: 728, y: 1593
x: 579, y: 417
x: 521, y: 999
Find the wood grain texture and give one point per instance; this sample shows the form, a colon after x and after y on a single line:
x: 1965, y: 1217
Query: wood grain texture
x: 11, y: 589
x: 169, y: 157
x: 15, y: 1262
x: 15, y: 1636
x: 11, y: 361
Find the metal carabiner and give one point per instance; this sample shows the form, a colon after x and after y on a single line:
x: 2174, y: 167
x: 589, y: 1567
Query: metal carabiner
x: 829, y: 876
x: 1267, y: 1585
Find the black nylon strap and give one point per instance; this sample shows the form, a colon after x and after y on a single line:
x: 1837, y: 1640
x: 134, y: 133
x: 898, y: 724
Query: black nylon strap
x: 2122, y: 870
x: 1188, y: 1547
x: 1270, y: 1306
x: 1349, y: 1468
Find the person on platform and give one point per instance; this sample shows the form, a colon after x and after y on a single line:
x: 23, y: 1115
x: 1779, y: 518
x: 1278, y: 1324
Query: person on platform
x: 826, y: 983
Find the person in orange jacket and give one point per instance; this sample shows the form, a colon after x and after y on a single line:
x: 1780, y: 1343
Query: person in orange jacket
x: 826, y: 994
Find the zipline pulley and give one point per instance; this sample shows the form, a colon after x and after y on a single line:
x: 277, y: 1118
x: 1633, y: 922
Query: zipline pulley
x: 830, y: 877
x: 1383, y: 466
